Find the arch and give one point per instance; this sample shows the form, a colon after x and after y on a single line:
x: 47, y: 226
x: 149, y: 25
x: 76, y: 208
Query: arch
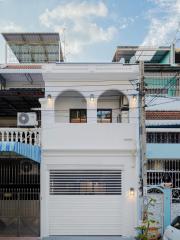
x: 65, y: 101
x: 116, y: 103
x: 151, y: 188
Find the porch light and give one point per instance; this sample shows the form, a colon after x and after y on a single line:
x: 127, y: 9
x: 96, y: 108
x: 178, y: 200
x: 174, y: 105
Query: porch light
x: 49, y: 96
x: 92, y: 98
x: 131, y: 192
x: 133, y: 101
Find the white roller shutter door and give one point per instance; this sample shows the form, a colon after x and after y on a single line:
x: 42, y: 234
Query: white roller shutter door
x: 85, y: 202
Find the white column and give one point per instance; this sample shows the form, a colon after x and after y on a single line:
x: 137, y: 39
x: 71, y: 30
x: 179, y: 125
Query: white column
x: 91, y: 109
x: 47, y: 111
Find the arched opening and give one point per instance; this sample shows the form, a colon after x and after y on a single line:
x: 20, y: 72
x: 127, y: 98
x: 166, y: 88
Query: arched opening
x: 70, y: 106
x: 112, y: 107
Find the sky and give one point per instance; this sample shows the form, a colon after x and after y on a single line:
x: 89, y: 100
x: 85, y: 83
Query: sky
x: 91, y: 30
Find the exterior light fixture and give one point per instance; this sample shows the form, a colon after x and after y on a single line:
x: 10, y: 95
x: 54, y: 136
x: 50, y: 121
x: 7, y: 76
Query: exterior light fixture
x: 92, y: 98
x: 131, y: 192
x: 49, y: 96
x: 133, y: 101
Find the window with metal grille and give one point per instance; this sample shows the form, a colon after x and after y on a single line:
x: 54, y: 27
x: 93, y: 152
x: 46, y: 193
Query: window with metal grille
x: 163, y: 137
x: 85, y: 182
x: 158, y: 168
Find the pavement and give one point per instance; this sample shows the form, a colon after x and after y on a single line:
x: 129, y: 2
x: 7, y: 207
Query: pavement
x: 88, y: 238
x: 70, y: 238
x: 19, y: 238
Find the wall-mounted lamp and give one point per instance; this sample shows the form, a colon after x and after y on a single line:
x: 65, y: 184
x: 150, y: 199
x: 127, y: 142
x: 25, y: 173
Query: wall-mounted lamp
x: 92, y: 98
x: 134, y: 96
x: 133, y: 101
x: 49, y: 96
x: 131, y: 192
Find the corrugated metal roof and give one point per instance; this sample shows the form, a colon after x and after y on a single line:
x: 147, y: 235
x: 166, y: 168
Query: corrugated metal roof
x: 149, y: 54
x: 35, y: 47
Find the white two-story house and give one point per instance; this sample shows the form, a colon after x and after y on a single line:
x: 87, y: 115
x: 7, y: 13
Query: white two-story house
x: 89, y: 162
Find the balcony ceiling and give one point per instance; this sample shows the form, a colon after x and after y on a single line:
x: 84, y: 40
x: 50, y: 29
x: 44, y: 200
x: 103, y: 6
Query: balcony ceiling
x: 19, y: 100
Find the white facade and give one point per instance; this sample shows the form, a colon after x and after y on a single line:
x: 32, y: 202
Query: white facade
x: 89, y: 149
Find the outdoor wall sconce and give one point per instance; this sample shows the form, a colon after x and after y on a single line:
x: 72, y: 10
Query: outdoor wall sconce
x: 131, y: 192
x: 133, y: 101
x: 92, y: 98
x: 49, y: 96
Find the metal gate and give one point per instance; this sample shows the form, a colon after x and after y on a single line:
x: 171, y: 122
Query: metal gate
x: 19, y: 197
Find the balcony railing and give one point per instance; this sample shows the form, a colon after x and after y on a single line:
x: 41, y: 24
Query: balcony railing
x: 22, y: 135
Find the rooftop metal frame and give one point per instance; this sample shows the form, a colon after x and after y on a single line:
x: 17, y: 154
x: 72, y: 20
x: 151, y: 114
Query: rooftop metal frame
x: 35, y: 47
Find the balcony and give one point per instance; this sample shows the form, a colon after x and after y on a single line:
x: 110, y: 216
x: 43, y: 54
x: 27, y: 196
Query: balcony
x: 95, y: 136
x: 22, y: 141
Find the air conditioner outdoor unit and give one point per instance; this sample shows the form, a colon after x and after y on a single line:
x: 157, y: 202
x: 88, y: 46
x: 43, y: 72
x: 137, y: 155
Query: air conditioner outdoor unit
x: 123, y: 101
x: 26, y: 119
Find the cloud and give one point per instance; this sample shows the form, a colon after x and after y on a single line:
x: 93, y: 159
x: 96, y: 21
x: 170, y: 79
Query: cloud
x: 126, y: 21
x: 10, y: 27
x: 164, y: 21
x: 80, y: 19
x: 73, y: 11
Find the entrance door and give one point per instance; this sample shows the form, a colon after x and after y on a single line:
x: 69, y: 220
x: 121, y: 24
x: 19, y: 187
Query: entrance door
x: 19, y: 197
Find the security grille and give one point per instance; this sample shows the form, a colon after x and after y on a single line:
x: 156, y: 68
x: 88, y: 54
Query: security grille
x: 85, y: 182
x: 163, y: 137
x: 158, y: 169
x: 19, y: 197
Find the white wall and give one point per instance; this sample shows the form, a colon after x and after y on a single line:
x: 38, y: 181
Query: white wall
x: 90, y: 136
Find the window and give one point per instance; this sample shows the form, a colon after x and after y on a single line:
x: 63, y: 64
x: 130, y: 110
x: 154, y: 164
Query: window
x: 104, y: 115
x: 78, y: 115
x: 85, y: 182
x: 163, y: 137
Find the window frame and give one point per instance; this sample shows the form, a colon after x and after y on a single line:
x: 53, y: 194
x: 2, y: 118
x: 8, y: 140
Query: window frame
x: 104, y: 109
x: 77, y: 109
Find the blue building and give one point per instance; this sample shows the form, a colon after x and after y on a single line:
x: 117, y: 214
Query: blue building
x: 162, y: 88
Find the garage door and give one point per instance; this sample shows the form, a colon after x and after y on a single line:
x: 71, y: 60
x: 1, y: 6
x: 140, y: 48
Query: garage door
x: 85, y: 202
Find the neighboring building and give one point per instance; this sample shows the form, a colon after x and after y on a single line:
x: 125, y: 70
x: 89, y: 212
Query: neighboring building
x: 21, y: 87
x: 85, y: 143
x: 162, y: 82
